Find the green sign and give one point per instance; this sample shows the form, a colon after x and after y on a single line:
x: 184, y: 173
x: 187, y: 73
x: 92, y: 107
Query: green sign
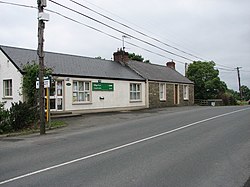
x: 102, y: 86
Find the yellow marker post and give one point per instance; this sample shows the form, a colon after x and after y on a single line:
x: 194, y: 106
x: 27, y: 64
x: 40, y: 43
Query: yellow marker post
x: 47, y: 113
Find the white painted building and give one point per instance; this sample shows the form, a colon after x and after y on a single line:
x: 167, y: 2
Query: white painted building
x: 79, y: 83
x: 10, y: 83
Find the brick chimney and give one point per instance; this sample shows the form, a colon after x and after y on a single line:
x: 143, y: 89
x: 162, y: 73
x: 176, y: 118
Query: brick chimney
x: 171, y: 64
x: 121, y: 56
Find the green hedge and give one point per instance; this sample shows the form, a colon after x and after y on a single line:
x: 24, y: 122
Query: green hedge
x: 18, y: 117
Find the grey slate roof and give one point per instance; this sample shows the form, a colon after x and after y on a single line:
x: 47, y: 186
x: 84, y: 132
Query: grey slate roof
x: 155, y: 72
x: 72, y: 65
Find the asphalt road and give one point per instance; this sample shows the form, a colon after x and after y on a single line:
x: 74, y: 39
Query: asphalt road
x: 189, y: 146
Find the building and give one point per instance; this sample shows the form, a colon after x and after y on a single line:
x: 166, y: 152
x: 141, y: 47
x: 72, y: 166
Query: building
x: 90, y: 84
x: 80, y: 83
x: 166, y: 86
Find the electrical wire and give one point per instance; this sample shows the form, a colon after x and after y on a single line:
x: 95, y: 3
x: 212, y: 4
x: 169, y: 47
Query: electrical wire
x: 146, y: 35
x: 129, y: 35
x: 114, y: 37
x: 98, y: 30
x: 225, y: 69
x: 93, y: 28
x: 128, y: 21
x: 20, y: 5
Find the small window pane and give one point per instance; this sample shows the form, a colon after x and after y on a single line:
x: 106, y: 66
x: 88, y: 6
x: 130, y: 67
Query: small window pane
x: 81, y: 86
x: 138, y: 95
x: 81, y: 96
x: 75, y: 86
x: 75, y: 96
x: 86, y: 86
x: 138, y: 87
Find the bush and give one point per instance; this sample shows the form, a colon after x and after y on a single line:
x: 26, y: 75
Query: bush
x: 21, y: 116
x: 18, y: 117
x: 228, y: 99
x: 4, y: 120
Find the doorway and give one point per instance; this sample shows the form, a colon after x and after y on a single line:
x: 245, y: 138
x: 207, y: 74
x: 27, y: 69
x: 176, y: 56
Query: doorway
x: 176, y: 94
x: 56, y: 96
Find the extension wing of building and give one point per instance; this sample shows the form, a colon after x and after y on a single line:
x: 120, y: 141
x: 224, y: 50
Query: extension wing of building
x: 89, y: 84
x: 165, y: 86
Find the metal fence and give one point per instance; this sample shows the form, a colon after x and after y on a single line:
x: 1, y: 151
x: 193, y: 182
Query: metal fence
x: 209, y: 102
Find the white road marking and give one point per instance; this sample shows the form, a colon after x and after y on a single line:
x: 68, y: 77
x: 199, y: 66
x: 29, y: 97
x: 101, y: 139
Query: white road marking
x: 119, y: 147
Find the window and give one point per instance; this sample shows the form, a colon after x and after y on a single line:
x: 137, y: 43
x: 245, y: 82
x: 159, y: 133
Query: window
x: 7, y: 88
x: 185, y: 92
x: 135, y: 92
x: 81, y: 91
x: 162, y: 91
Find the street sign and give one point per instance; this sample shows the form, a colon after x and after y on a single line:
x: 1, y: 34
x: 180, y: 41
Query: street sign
x: 97, y: 86
x: 46, y: 83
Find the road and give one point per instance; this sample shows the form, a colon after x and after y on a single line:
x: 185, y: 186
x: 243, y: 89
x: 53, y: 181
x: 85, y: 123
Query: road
x: 188, y: 146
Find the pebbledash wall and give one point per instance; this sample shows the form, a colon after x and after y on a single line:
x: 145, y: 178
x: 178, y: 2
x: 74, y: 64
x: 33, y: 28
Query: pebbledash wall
x: 118, y: 98
x: 10, y: 72
x: 169, y: 100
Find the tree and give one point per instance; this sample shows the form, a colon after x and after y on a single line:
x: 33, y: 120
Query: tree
x: 29, y: 82
x: 245, y: 92
x: 133, y: 56
x: 230, y: 97
x: 206, y: 79
x: 99, y: 57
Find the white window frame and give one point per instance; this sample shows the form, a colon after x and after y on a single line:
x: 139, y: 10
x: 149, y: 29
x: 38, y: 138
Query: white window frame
x: 7, y: 88
x: 186, y: 92
x: 81, y: 92
x: 162, y: 91
x: 135, y: 90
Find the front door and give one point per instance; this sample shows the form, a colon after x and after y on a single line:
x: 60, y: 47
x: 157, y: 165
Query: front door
x: 56, y: 95
x: 176, y: 94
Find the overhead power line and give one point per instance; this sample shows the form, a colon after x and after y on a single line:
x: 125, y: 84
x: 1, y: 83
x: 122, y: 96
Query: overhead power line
x: 129, y: 21
x: 124, y: 33
x: 93, y: 28
x: 225, y: 69
x: 112, y: 36
x: 231, y: 68
x: 20, y: 5
x: 146, y: 35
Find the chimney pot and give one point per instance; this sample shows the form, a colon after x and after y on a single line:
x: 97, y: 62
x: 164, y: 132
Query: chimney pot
x: 171, y: 64
x: 121, y: 56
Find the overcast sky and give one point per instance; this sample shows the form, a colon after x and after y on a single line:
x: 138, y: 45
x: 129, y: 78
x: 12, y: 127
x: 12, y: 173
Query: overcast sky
x: 217, y: 30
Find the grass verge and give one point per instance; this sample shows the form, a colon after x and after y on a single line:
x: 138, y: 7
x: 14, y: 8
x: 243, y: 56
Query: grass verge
x: 54, y: 125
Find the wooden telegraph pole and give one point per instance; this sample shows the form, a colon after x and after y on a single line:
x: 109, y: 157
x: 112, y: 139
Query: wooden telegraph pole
x: 41, y: 25
x: 240, y: 90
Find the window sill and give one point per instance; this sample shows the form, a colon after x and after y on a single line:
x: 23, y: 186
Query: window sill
x: 163, y: 100
x: 7, y: 98
x: 135, y: 101
x: 82, y: 103
x: 186, y: 99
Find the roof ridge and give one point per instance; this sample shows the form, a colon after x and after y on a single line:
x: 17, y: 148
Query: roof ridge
x: 150, y: 64
x: 56, y: 53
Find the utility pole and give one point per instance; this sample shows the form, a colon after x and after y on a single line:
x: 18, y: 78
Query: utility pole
x: 238, y: 72
x: 41, y: 25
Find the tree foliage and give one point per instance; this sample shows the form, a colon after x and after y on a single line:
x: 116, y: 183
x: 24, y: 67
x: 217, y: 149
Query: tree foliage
x: 29, y: 82
x: 245, y: 92
x: 133, y: 56
x: 206, y: 79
